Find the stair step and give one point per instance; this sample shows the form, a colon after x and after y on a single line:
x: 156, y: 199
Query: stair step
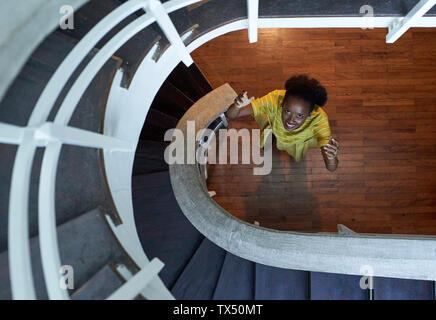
x: 171, y: 101
x: 236, y: 281
x: 149, y: 157
x: 190, y: 81
x: 100, y: 286
x: 162, y: 227
x: 152, y: 180
x: 330, y: 286
x: 86, y: 243
x: 200, y: 277
x: 19, y: 101
x: 340, y: 8
x: 156, y: 124
x: 281, y: 284
x: 7, y: 160
x: 402, y: 289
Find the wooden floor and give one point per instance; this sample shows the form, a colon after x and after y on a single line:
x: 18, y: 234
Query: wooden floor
x: 381, y: 108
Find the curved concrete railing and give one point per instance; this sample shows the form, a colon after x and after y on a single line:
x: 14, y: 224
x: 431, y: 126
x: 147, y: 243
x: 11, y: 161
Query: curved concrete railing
x: 410, y: 257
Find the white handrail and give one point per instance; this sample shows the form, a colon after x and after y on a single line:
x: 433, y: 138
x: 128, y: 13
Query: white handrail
x: 49, y: 246
x: 20, y: 266
x: 253, y: 17
x: 76, y: 56
x: 156, y: 8
x: 51, y: 156
x: 400, y: 26
x: 48, y: 242
x: 51, y: 261
x: 74, y: 95
x: 22, y: 285
x: 83, y: 138
x: 86, y: 76
x: 135, y: 285
x: 11, y: 134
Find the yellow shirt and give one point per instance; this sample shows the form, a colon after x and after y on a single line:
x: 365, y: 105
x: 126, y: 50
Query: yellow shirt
x: 315, y: 131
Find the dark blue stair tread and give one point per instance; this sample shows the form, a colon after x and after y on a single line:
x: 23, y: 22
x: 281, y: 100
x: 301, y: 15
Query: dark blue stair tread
x: 199, y: 279
x: 86, y: 243
x: 154, y: 194
x: 7, y: 160
x: 402, y: 289
x: 171, y: 100
x: 335, y: 8
x: 191, y: 81
x: 151, y: 180
x: 149, y: 157
x: 5, y: 287
x: 162, y: 227
x: 331, y: 286
x: 236, y: 281
x: 100, y: 286
x: 153, y: 190
x: 281, y: 284
x: 20, y: 99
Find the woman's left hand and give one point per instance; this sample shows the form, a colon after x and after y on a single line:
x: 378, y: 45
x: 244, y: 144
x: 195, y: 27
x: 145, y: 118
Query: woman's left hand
x: 331, y: 149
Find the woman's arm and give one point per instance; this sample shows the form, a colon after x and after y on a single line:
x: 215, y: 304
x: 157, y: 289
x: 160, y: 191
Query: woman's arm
x: 330, y: 154
x: 241, y: 107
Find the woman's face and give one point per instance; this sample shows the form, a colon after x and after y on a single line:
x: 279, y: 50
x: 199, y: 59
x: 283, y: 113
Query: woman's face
x: 294, y: 112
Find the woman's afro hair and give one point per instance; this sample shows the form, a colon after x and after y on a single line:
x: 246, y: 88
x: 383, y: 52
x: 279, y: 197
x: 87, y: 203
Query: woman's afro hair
x: 308, y: 89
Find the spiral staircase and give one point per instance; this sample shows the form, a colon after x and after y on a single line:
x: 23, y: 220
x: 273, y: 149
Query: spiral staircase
x: 84, y: 182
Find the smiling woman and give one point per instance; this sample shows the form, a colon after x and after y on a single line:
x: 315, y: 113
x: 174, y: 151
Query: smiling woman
x: 295, y: 117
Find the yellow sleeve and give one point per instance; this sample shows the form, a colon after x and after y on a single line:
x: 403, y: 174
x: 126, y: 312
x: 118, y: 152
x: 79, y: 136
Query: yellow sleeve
x: 321, y: 129
x: 265, y: 105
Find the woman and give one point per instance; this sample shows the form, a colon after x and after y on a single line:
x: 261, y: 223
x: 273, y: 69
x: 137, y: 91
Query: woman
x: 295, y: 117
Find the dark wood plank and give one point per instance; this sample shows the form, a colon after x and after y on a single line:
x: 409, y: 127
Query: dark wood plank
x: 381, y: 108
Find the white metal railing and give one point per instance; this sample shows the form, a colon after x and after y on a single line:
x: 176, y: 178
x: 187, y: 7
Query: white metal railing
x: 52, y: 136
x: 253, y: 16
x: 399, y: 26
x: 55, y: 135
x: 134, y: 286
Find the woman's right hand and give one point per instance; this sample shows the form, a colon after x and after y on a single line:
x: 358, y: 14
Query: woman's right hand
x: 242, y: 100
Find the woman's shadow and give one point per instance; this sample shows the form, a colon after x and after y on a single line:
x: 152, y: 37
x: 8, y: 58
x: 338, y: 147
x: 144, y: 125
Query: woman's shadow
x: 285, y: 201
x: 280, y: 200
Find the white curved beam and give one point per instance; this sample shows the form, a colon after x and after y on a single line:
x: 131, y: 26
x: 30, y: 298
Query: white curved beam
x: 48, y: 242
x: 11, y: 134
x: 47, y: 221
x: 20, y: 265
x: 253, y: 17
x: 135, y: 285
x: 86, y: 76
x: 156, y: 8
x: 75, y: 57
x: 399, y: 26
